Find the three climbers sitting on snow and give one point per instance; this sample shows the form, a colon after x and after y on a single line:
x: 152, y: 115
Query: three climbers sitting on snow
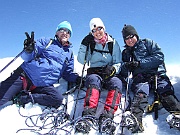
x: 47, y: 60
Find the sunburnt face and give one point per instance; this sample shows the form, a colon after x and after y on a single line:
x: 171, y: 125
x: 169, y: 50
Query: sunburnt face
x: 98, y: 32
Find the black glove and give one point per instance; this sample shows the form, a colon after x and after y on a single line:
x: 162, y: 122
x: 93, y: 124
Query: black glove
x: 109, y: 71
x: 89, y: 39
x: 29, y: 42
x: 132, y: 65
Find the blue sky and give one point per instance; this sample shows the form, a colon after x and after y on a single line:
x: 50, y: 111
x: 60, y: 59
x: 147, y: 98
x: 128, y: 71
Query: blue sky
x: 156, y: 19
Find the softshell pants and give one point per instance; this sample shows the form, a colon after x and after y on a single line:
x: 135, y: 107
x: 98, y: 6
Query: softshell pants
x: 47, y: 96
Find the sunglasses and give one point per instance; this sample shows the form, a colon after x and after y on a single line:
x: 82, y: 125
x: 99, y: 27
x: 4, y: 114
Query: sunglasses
x: 98, y: 29
x: 62, y: 30
x: 129, y: 37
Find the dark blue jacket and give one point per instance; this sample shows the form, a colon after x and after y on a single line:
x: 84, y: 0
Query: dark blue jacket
x: 44, y: 66
x: 150, y: 56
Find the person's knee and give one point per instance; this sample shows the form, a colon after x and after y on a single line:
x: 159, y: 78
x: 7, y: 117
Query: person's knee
x: 166, y: 93
x: 93, y: 79
x: 115, y: 83
x: 57, y: 100
x: 141, y: 88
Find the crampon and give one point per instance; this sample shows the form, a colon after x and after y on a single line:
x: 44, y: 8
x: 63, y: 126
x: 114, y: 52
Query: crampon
x: 84, y: 124
x: 130, y: 122
x: 107, y: 126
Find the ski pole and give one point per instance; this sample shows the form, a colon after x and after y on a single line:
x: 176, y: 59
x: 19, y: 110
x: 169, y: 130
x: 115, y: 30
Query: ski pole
x: 126, y: 95
x: 156, y: 99
x: 127, y: 90
x: 11, y: 61
x: 127, y: 86
x: 81, y: 80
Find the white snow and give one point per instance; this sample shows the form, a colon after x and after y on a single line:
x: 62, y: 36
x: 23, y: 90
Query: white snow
x: 11, y: 121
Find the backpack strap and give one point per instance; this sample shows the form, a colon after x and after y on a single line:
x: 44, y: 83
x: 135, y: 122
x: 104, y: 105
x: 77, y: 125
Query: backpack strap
x: 110, y: 47
x: 92, y: 46
x: 50, y: 42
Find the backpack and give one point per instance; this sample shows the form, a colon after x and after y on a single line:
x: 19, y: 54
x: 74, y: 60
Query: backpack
x: 110, y: 48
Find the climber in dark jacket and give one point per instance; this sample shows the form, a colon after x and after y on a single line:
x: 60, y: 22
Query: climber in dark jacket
x: 144, y: 59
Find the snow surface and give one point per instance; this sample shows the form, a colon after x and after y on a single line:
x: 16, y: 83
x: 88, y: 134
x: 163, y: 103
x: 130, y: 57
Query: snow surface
x: 11, y: 120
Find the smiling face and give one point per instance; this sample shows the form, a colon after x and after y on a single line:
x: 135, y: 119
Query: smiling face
x: 98, y: 32
x: 63, y: 35
x: 130, y: 40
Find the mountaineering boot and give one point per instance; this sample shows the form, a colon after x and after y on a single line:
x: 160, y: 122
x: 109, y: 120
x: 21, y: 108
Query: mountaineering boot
x: 174, y: 120
x: 170, y: 103
x: 23, y: 98
x: 90, y: 106
x: 139, y: 103
x: 17, y: 100
x: 106, y: 123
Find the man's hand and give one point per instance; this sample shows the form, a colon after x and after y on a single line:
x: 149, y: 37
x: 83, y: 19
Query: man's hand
x: 132, y: 65
x: 29, y: 42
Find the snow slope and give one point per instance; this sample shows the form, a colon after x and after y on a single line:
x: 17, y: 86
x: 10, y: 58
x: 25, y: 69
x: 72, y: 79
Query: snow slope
x: 11, y: 120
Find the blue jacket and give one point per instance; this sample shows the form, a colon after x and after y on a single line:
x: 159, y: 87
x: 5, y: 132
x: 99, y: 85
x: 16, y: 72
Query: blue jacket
x: 44, y: 66
x: 150, y: 56
x: 97, y: 59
